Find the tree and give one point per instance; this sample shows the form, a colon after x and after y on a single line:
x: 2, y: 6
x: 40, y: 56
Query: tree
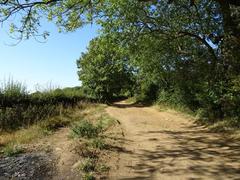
x: 190, y: 60
x: 104, y: 70
x: 179, y: 51
x: 73, y: 14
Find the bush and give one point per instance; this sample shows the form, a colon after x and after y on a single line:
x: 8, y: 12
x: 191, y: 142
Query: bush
x: 86, y: 129
x: 18, y: 116
x: 13, y: 91
x: 98, y: 143
x: 54, y: 123
x: 18, y: 108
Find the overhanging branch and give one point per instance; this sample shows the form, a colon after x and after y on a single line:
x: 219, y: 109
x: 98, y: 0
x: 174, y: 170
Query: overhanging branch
x: 200, y: 39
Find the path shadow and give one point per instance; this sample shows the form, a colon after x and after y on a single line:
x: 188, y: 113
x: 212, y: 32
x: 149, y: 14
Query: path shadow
x: 123, y: 105
x: 193, y: 152
x: 207, y: 154
x: 118, y: 149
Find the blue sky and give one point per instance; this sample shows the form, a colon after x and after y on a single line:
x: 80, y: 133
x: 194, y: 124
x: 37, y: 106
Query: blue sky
x: 52, y: 62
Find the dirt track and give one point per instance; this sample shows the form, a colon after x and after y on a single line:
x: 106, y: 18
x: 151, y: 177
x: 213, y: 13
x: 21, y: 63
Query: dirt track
x: 168, y: 145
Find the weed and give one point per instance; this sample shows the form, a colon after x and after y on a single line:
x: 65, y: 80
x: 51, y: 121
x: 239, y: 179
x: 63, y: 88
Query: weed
x: 86, y: 129
x: 88, y: 152
x: 12, y: 150
x: 88, y: 165
x: 226, y: 125
x: 19, y: 108
x: 98, y: 143
x: 55, y: 123
x: 103, y: 168
x: 91, y: 142
x: 88, y: 176
x: 105, y: 122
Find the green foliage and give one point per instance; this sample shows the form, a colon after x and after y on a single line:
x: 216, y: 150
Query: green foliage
x: 55, y: 123
x: 179, y: 60
x: 104, y: 70
x: 88, y: 165
x: 86, y: 129
x: 12, y: 150
x: 179, y: 52
x: 98, y: 143
x: 13, y: 90
x: 18, y: 108
x: 103, y: 168
x: 88, y: 176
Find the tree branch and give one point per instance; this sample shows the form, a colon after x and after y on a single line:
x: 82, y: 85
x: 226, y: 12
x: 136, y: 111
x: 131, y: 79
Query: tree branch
x: 202, y: 40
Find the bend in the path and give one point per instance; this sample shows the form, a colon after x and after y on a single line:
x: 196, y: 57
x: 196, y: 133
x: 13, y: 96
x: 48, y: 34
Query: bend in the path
x: 166, y: 145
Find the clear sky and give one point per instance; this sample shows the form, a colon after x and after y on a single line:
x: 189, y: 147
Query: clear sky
x: 52, y: 62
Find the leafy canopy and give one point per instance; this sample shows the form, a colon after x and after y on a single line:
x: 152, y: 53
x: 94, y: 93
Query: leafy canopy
x: 104, y: 69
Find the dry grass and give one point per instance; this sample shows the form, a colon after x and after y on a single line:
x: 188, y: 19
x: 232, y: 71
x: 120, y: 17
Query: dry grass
x: 94, y: 150
x: 46, y: 127
x: 93, y: 153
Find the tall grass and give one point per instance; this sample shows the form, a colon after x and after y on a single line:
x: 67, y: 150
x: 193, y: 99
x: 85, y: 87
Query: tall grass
x: 12, y: 91
x: 19, y: 108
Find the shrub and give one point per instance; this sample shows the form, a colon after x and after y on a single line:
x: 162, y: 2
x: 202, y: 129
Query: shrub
x: 98, y: 143
x: 12, y: 150
x: 13, y: 90
x: 54, y: 123
x: 86, y: 129
x: 19, y: 108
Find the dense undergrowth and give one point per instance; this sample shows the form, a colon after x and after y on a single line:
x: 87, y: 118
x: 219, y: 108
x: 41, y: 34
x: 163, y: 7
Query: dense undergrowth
x: 19, y: 108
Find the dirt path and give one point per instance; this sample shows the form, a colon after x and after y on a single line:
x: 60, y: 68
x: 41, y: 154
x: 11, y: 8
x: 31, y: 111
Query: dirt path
x: 62, y: 148
x: 167, y: 145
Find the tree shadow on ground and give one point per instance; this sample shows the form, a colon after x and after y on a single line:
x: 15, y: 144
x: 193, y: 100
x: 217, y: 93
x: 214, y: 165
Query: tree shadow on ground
x: 207, y: 154
x: 193, y: 152
x: 131, y: 105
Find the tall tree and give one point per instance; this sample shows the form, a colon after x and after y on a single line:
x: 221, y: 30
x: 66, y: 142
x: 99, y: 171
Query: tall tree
x: 104, y: 70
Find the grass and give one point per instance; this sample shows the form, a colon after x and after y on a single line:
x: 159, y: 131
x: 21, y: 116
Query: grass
x: 19, y: 108
x: 86, y: 129
x: 23, y: 136
x: 88, y: 176
x: 131, y: 100
x: 25, y: 118
x: 91, y: 135
x: 229, y: 127
x: 88, y: 165
x: 41, y: 129
x: 98, y: 143
x: 12, y: 150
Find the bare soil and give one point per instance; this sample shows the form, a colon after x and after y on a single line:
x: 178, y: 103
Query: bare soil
x: 62, y: 148
x: 52, y: 157
x: 169, y: 145
x: 151, y: 145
